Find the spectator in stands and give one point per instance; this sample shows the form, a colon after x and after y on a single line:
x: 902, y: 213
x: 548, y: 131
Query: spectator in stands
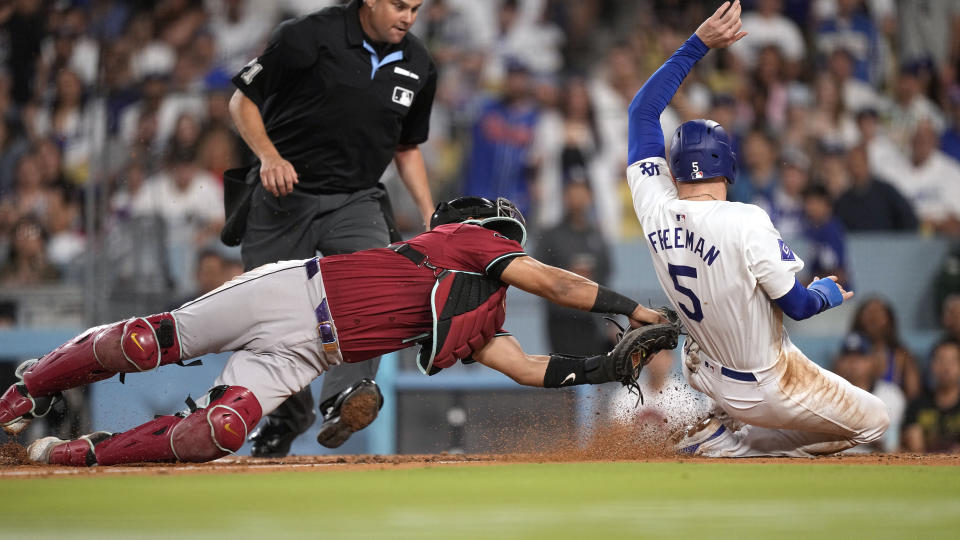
x: 567, y: 141
x: 25, y: 26
x: 875, y: 320
x: 240, y: 32
x: 182, y: 194
x: 786, y: 208
x: 830, y: 122
x: 499, y: 164
x: 872, y: 204
x: 852, y: 29
x: 932, y: 422
x: 30, y: 196
x: 759, y: 174
x: 928, y: 30
x: 209, y: 273
x: 577, y: 245
x: 12, y: 148
x: 886, y: 160
x: 68, y: 122
x: 857, y: 364
x: 768, y: 26
x: 950, y: 317
x: 770, y: 90
x: 950, y: 138
x: 824, y: 232
x: 28, y: 264
x: 926, y: 183
x: 855, y: 93
x: 65, y: 242
x: 911, y: 106
x: 190, y: 202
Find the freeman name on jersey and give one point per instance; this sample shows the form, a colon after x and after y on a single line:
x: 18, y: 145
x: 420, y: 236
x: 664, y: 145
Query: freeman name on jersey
x: 680, y: 238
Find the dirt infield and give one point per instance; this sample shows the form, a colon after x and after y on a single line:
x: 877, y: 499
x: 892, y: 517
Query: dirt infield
x: 14, y: 463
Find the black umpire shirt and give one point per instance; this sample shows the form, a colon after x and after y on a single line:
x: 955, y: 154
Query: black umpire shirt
x: 334, y: 105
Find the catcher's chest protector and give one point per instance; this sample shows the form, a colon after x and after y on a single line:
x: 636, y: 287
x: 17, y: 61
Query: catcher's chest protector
x: 467, y: 309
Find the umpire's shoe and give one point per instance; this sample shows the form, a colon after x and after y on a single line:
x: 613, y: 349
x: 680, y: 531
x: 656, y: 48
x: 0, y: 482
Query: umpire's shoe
x: 349, y: 411
x: 277, y: 431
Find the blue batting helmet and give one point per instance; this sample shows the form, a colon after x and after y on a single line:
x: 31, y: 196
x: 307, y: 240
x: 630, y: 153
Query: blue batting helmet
x: 700, y: 149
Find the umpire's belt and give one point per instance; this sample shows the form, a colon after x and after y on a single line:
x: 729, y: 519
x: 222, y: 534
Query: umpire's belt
x: 745, y: 376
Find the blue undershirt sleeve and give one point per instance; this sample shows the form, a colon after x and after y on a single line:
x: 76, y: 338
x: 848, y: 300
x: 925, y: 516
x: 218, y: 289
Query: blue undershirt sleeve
x: 645, y: 136
x: 801, y: 303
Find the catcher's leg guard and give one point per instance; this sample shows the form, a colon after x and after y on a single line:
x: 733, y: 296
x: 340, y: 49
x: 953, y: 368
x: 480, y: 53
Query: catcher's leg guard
x: 137, y: 344
x: 205, y: 434
x: 18, y: 407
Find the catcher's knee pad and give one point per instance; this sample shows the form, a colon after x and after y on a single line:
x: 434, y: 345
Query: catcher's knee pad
x: 138, y: 344
x: 218, y: 429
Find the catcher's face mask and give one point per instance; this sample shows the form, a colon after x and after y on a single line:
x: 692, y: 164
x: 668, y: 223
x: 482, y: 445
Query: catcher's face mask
x: 500, y: 215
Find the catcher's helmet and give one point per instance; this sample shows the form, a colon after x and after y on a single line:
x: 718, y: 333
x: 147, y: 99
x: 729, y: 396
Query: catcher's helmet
x: 500, y: 215
x: 700, y: 149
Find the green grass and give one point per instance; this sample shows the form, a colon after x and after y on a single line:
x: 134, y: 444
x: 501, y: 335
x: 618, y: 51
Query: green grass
x: 556, y: 501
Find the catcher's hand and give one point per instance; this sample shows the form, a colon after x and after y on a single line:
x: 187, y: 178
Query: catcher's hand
x: 637, y: 347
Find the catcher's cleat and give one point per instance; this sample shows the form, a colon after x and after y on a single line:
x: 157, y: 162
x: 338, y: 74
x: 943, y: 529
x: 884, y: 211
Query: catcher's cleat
x: 348, y: 412
x: 690, y: 439
x: 76, y: 453
x: 18, y: 407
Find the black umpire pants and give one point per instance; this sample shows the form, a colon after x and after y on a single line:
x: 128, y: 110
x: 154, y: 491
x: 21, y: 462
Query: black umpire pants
x: 297, y: 226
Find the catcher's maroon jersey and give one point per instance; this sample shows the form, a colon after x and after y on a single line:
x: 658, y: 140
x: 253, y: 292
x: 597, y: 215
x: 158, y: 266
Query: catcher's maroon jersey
x: 379, y: 298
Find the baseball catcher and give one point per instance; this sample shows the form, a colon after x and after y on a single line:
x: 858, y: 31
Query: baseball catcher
x: 289, y: 322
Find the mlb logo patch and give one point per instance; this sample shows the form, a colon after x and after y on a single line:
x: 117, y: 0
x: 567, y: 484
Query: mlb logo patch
x: 786, y: 254
x: 402, y: 96
x: 681, y: 218
x: 698, y: 174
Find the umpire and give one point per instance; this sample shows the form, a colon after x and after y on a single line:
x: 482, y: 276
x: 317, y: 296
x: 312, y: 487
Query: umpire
x: 334, y: 97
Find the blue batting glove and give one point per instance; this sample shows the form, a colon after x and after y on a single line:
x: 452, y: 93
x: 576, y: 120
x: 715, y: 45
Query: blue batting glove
x: 828, y: 291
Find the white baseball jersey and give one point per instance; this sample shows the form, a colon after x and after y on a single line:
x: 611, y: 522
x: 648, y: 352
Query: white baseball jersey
x: 720, y: 263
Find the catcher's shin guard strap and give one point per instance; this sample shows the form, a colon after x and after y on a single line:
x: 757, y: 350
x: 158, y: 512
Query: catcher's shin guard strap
x: 563, y: 371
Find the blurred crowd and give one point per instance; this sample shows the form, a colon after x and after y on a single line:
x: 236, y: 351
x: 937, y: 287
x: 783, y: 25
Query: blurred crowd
x: 845, y: 116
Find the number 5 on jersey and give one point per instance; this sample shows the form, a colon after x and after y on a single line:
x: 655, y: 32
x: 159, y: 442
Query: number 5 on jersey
x: 676, y: 272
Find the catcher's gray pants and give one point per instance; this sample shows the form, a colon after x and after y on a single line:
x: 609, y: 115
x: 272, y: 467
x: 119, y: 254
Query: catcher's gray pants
x: 297, y: 226
x: 267, y: 317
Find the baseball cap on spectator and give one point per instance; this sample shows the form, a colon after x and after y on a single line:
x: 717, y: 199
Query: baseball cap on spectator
x: 512, y: 64
x: 855, y: 343
x: 917, y: 67
x: 795, y: 158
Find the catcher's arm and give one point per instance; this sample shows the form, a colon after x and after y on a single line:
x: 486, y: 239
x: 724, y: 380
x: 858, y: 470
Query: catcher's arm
x: 572, y: 290
x: 622, y: 364
x: 504, y: 354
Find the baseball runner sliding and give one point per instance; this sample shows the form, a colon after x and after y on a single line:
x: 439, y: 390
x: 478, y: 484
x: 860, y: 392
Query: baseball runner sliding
x: 731, y: 278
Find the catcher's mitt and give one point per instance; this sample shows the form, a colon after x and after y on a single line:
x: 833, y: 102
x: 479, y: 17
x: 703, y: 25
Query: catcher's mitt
x: 637, y: 347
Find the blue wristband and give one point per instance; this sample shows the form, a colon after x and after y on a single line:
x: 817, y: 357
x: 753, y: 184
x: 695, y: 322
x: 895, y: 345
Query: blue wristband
x: 828, y: 291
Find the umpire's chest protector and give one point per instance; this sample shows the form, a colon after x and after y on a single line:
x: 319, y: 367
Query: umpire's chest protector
x: 468, y: 309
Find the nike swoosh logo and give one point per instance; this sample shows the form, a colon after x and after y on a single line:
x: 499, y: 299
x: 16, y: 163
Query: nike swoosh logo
x: 227, y: 427
x: 571, y: 377
x: 133, y: 336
